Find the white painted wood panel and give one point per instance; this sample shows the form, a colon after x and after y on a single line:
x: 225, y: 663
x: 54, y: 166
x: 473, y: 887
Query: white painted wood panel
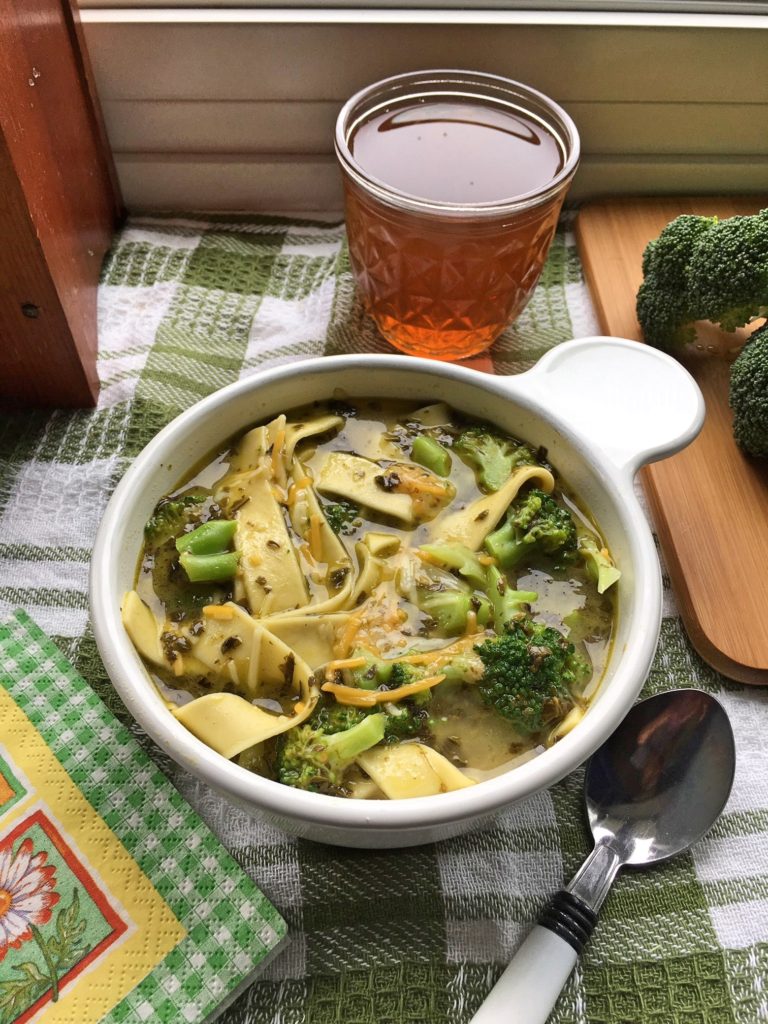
x: 156, y: 181
x: 264, y: 61
x: 235, y: 109
x: 221, y: 126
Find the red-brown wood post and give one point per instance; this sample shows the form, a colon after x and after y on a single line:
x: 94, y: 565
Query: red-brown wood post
x: 59, y: 205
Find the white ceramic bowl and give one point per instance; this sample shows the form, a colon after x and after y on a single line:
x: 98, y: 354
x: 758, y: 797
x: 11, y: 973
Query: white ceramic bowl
x: 601, y: 406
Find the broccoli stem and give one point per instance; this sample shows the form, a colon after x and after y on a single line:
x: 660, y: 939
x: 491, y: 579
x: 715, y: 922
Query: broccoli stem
x: 209, y: 568
x: 344, y: 747
x: 430, y: 453
x: 598, y: 564
x: 503, y: 546
x: 458, y: 557
x: 507, y: 603
x: 209, y: 538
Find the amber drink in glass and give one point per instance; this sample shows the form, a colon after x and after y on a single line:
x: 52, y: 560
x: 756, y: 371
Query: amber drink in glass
x: 453, y: 184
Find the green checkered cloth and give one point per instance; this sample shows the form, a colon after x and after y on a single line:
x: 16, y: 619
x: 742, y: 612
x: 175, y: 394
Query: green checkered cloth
x: 420, y: 935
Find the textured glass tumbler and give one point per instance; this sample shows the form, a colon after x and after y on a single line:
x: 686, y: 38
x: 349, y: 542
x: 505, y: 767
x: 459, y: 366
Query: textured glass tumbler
x: 443, y: 279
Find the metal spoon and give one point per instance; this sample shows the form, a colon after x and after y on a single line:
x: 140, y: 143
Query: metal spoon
x: 652, y: 790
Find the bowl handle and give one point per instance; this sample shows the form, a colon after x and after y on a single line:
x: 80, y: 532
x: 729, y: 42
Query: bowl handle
x: 631, y: 401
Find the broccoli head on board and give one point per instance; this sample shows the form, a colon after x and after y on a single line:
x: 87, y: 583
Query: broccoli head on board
x: 702, y: 268
x: 749, y: 395
x: 663, y: 301
x: 728, y: 272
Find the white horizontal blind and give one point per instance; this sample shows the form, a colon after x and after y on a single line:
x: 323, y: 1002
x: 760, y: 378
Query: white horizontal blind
x: 235, y: 109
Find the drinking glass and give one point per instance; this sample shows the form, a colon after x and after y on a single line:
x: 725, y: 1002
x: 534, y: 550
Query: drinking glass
x: 443, y: 278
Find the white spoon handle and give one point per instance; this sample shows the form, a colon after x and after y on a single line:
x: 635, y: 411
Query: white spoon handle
x: 528, y: 989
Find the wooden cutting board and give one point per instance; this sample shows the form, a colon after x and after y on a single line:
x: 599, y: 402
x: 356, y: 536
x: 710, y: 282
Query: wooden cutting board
x: 709, y: 502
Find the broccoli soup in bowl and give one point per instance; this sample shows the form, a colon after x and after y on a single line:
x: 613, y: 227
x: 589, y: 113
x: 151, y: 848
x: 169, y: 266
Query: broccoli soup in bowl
x: 374, y: 600
x: 648, y: 407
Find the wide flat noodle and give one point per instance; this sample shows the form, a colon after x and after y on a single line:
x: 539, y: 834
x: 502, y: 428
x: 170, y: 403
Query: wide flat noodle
x: 239, y: 649
x: 411, y: 770
x: 268, y: 566
x: 229, y: 724
x: 354, y: 478
x: 312, y: 637
x: 472, y: 524
x: 331, y: 550
x: 254, y: 447
x: 143, y: 628
x: 295, y: 432
x: 370, y: 572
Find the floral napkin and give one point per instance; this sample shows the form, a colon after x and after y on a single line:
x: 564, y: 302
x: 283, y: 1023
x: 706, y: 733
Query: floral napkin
x: 117, y: 904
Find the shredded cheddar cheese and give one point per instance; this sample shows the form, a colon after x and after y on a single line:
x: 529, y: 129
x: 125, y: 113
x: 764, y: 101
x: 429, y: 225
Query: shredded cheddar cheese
x: 304, y: 549
x: 426, y: 556
x: 347, y: 638
x: 486, y: 560
x: 419, y: 659
x: 178, y: 665
x: 418, y: 482
x: 356, y: 697
x: 298, y: 485
x: 340, y: 663
x: 218, y: 611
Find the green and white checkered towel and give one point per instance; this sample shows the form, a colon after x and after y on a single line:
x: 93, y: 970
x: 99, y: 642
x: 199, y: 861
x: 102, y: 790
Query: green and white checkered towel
x: 419, y: 935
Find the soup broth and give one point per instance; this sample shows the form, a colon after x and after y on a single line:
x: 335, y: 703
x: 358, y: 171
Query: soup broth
x: 374, y: 600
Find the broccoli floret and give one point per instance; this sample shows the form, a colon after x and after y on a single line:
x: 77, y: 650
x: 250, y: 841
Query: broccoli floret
x: 341, y: 516
x: 507, y: 603
x: 330, y: 717
x: 406, y: 720
x: 401, y: 674
x: 535, y: 524
x: 491, y: 455
x: 728, y: 272
x: 385, y: 674
x: 528, y: 675
x: 749, y: 395
x: 171, y: 515
x: 700, y: 268
x: 312, y: 759
x: 663, y: 301
x: 375, y: 673
x: 598, y: 563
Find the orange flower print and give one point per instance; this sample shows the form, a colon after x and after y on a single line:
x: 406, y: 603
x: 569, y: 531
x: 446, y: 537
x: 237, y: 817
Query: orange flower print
x: 26, y: 895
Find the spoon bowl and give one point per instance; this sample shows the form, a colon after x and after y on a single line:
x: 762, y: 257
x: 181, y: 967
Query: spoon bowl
x: 660, y: 781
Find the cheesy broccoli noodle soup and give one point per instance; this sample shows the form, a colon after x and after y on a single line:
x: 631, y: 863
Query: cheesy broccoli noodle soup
x: 374, y: 600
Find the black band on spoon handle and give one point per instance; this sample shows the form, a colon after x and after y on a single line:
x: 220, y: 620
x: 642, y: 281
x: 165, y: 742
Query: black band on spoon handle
x: 570, y: 918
